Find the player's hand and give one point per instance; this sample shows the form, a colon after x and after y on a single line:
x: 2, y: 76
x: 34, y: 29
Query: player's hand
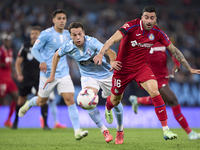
x: 20, y: 78
x: 43, y: 67
x: 175, y: 69
x: 194, y: 71
x: 115, y: 65
x: 49, y: 80
x: 98, y: 59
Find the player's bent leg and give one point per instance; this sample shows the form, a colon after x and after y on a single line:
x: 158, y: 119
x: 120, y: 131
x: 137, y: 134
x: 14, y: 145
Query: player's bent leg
x: 169, y: 135
x: 134, y: 103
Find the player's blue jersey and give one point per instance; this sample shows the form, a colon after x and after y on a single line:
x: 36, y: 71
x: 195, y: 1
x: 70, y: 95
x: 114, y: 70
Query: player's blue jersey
x: 47, y: 44
x: 84, y: 58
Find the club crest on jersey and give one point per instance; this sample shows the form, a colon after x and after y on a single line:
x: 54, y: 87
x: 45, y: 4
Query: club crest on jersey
x: 116, y: 91
x: 37, y: 41
x: 125, y: 26
x: 89, y: 52
x: 151, y: 37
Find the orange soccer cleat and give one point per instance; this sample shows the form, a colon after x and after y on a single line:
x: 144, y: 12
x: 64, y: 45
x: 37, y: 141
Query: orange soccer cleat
x: 41, y: 122
x: 120, y: 137
x: 8, y: 124
x: 108, y: 136
x: 59, y: 126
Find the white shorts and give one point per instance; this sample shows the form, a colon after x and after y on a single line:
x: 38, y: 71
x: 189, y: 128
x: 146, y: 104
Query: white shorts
x: 104, y: 84
x: 64, y: 85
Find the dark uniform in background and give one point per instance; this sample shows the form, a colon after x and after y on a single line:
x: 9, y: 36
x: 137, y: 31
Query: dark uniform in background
x: 31, y: 79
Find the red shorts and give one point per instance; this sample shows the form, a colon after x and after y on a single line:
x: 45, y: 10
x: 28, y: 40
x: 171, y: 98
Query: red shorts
x: 162, y: 82
x: 120, y: 81
x: 7, y: 87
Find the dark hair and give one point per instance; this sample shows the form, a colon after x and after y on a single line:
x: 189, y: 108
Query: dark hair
x: 36, y: 28
x: 74, y: 25
x: 149, y: 9
x: 58, y: 11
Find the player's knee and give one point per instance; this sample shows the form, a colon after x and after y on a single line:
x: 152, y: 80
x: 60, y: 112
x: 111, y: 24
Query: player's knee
x: 154, y: 93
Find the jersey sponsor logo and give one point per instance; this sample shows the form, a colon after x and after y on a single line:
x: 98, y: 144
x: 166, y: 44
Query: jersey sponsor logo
x: 125, y: 26
x: 86, y: 63
x: 151, y: 37
x: 37, y: 41
x: 155, y: 49
x: 134, y: 43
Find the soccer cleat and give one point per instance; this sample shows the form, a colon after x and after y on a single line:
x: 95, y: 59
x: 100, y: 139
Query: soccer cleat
x: 14, y: 126
x: 59, y: 126
x: 108, y: 137
x: 23, y: 109
x: 134, y: 103
x: 46, y: 128
x: 120, y: 137
x: 41, y: 122
x: 193, y: 135
x: 81, y: 134
x: 8, y: 124
x: 109, y: 116
x: 168, y: 135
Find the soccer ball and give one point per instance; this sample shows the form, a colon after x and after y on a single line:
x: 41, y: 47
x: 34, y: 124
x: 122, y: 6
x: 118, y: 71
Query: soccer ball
x: 87, y: 99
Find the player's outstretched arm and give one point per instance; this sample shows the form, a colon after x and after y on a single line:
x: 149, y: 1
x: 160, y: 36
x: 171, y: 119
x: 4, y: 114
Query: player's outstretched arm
x: 55, y: 61
x: 179, y: 56
x: 114, y: 64
x: 113, y: 39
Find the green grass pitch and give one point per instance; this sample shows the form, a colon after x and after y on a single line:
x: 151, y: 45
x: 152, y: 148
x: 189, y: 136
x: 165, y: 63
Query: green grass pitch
x: 63, y: 139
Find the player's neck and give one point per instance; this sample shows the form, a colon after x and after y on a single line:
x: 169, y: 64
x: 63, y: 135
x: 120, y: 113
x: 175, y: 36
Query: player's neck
x: 58, y: 30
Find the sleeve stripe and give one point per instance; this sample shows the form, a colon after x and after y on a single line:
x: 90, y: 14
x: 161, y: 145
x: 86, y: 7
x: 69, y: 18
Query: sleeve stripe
x: 162, y: 33
x: 20, y: 50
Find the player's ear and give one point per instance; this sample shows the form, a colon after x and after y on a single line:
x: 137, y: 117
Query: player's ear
x: 53, y: 20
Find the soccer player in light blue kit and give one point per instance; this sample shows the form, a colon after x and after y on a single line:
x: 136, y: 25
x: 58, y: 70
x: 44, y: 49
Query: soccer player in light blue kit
x: 83, y: 48
x: 43, y: 50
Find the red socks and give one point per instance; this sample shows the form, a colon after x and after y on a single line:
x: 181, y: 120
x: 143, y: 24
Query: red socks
x: 180, y: 118
x: 12, y: 109
x: 145, y: 100
x: 160, y: 109
x: 109, y: 105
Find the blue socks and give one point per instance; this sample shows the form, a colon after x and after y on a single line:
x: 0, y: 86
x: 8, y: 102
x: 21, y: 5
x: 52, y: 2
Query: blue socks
x: 118, y: 111
x: 73, y: 115
x: 54, y: 110
x: 32, y: 102
x: 95, y: 116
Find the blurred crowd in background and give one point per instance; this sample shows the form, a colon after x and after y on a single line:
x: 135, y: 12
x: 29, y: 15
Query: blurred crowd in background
x: 101, y: 18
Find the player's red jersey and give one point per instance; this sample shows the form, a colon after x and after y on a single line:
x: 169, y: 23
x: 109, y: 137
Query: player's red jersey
x: 6, y: 56
x: 157, y: 59
x: 135, y: 45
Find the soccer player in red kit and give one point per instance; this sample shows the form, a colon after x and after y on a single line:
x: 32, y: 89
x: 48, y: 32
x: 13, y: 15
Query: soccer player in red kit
x: 157, y: 59
x: 7, y: 85
x: 137, y: 36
